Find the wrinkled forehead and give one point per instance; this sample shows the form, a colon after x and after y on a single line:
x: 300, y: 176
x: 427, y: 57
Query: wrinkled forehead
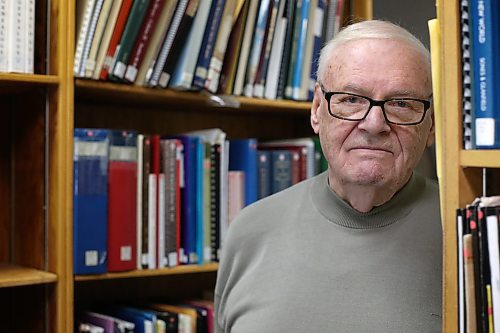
x: 377, y: 57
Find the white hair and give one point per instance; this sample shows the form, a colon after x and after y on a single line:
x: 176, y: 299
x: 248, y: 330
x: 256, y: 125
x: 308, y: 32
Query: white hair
x: 371, y: 29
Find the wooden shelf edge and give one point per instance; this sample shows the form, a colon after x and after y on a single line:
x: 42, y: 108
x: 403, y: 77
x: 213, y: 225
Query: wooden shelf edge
x: 15, y: 78
x: 126, y: 93
x: 14, y: 276
x: 183, y: 269
x: 480, y: 158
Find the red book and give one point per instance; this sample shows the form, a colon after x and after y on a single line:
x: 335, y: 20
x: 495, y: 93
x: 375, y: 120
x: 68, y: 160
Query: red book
x: 115, y: 38
x: 122, y: 202
x: 143, y: 38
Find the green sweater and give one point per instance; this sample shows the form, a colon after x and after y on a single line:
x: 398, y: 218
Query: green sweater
x: 304, y: 261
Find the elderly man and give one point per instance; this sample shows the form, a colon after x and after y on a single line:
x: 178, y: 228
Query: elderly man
x: 357, y: 248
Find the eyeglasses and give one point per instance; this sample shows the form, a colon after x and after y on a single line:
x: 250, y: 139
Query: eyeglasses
x: 398, y: 111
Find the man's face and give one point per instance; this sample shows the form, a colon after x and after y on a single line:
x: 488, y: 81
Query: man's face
x: 370, y: 151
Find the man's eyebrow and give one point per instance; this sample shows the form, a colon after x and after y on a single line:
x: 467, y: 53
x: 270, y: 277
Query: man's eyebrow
x: 355, y: 89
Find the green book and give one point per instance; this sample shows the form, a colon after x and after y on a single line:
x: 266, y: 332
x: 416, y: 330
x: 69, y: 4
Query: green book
x: 127, y: 41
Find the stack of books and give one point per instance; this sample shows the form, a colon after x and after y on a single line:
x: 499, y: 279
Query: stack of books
x: 256, y: 48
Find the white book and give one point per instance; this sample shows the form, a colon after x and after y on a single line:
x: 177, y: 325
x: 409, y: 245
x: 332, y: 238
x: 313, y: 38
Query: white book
x: 84, y: 13
x: 90, y: 36
x: 16, y: 28
x: 106, y: 38
x: 97, y: 38
x: 4, y: 36
x: 139, y: 208
x: 29, y: 64
x: 152, y: 221
x: 461, y: 282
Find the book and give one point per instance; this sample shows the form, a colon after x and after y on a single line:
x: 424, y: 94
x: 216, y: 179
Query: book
x: 90, y: 63
x: 239, y: 79
x: 485, y: 84
x: 122, y: 199
x: 229, y: 15
x: 179, y: 40
x: 106, y: 38
x: 29, y: 37
x: 114, y: 41
x: 84, y: 11
x: 243, y: 157
x: 125, y: 47
x: 228, y: 70
x: 460, y: 214
x: 147, y: 207
x: 292, y: 57
x: 90, y: 200
x: 143, y: 38
x: 139, y: 201
x: 469, y: 283
x: 183, y: 74
x: 316, y: 27
x: 4, y: 34
x: 301, y: 52
x: 187, y: 316
x: 171, y: 168
x: 154, y: 45
x: 96, y: 13
x: 236, y: 193
x: 289, y: 14
x: 144, y: 320
x: 207, y: 44
x: 466, y: 45
x: 109, y: 323
x: 256, y: 48
x: 276, y: 55
x: 281, y: 166
x: 166, y: 45
x: 264, y: 169
x: 260, y: 76
x: 155, y: 218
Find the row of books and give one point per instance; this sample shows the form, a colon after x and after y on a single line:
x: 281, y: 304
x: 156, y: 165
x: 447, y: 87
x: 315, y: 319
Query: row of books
x: 193, y: 316
x: 480, y: 32
x: 479, y: 265
x: 149, y: 201
x: 259, y: 48
x: 17, y: 36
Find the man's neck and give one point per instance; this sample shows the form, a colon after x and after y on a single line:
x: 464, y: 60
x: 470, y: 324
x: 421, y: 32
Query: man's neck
x: 363, y: 198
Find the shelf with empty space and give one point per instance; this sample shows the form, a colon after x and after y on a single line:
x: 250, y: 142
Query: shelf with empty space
x: 14, y: 276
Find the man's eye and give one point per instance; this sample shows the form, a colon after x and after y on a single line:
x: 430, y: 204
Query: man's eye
x: 353, y: 100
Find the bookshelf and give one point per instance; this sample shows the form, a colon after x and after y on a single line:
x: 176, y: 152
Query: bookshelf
x: 38, y: 292
x: 462, y: 174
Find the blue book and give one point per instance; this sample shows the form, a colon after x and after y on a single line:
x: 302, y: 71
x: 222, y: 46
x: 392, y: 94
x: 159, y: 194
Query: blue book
x: 144, y: 320
x: 318, y: 24
x: 208, y: 43
x: 301, y: 47
x: 243, y: 157
x: 485, y: 33
x: 190, y: 194
x: 90, y: 200
x: 264, y: 169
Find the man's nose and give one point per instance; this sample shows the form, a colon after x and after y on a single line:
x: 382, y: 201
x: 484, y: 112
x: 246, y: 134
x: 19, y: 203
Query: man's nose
x: 375, y: 121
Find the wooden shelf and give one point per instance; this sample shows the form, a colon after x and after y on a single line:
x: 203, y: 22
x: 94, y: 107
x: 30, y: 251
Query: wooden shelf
x: 14, y: 276
x: 186, y: 269
x: 115, y: 93
x: 480, y: 158
x: 23, y: 79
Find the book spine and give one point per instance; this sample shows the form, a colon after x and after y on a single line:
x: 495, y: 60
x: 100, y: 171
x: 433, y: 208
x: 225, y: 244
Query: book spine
x: 178, y: 42
x: 257, y: 44
x: 300, y: 51
x: 287, y: 49
x: 97, y: 38
x: 486, y: 117
x: 297, y: 14
x: 121, y: 20
x: 167, y: 43
x: 281, y: 170
x: 145, y: 193
x: 184, y: 71
x: 29, y: 66
x: 134, y: 22
x: 4, y: 37
x: 275, y: 58
x: 317, y: 26
x: 207, y: 44
x: 466, y: 44
x: 143, y: 39
x: 106, y: 38
x: 139, y: 204
x: 90, y: 36
x: 84, y: 15
x: 215, y: 65
x: 215, y: 188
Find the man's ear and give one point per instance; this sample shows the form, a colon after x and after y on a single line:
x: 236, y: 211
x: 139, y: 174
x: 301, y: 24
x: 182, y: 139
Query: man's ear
x: 315, y: 109
x: 432, y: 132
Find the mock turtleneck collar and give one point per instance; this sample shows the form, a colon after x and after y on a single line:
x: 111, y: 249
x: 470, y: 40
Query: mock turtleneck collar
x: 339, y: 212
